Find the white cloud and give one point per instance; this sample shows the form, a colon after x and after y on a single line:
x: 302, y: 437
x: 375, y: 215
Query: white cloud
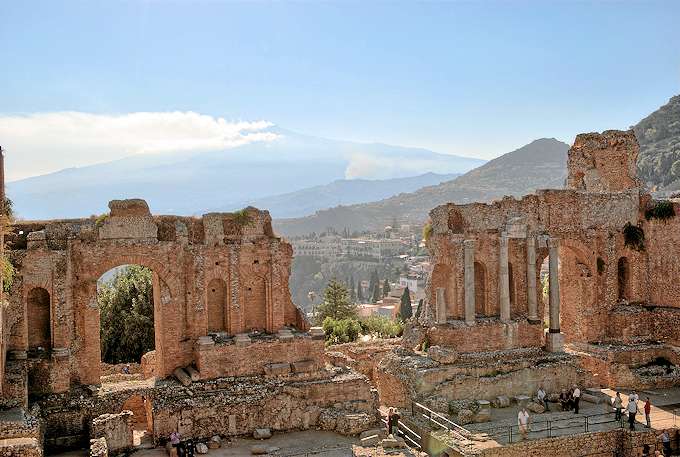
x: 45, y: 142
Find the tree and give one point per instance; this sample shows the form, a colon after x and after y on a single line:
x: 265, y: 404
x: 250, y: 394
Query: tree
x: 352, y: 289
x: 372, y: 283
x: 336, y: 303
x: 420, y: 308
x: 386, y: 287
x: 405, y: 310
x: 375, y: 297
x: 126, y: 315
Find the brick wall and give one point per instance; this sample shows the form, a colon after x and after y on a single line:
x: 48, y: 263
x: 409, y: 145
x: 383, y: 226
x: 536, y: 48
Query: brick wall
x: 486, y: 335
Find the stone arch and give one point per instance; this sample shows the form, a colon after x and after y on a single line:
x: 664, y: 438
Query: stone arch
x: 623, y: 279
x: 38, y: 317
x: 480, y: 289
x: 218, y: 312
x: 579, y: 313
x: 169, y: 331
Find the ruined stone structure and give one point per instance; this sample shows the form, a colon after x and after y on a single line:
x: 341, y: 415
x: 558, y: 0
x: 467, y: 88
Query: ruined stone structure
x: 223, y: 319
x: 610, y: 305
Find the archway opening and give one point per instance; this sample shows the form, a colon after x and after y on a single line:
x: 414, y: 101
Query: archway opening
x: 623, y: 279
x: 511, y: 283
x: 38, y: 320
x: 126, y: 297
x: 218, y: 316
x: 142, y: 419
x: 480, y: 289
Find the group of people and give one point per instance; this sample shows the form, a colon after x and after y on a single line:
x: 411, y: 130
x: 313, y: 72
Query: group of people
x: 632, y: 408
x: 569, y: 399
x: 185, y: 448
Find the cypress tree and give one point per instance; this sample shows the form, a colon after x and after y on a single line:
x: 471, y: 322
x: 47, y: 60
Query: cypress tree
x: 405, y: 310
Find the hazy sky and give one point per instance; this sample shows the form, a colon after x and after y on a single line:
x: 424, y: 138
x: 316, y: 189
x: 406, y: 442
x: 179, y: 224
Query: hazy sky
x: 89, y: 81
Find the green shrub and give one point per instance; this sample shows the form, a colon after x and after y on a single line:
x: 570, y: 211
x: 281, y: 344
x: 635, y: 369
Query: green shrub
x: 634, y: 237
x: 7, y: 271
x: 427, y: 231
x: 661, y: 210
x: 341, y: 330
x: 381, y: 327
x: 242, y: 218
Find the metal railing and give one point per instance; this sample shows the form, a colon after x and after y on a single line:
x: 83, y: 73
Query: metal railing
x: 414, y: 439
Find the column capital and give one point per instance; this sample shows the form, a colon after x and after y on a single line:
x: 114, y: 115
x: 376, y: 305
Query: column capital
x: 469, y: 244
x: 553, y: 242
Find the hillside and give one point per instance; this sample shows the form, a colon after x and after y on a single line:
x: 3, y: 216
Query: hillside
x: 340, y: 192
x: 659, y: 138
x: 540, y: 164
x: 191, y: 183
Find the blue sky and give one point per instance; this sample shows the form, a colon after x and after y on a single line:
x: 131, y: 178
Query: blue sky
x: 476, y: 79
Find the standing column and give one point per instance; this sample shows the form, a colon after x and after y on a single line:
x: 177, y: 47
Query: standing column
x: 555, y: 338
x: 469, y: 248
x: 531, y: 280
x: 503, y: 279
x: 441, y: 306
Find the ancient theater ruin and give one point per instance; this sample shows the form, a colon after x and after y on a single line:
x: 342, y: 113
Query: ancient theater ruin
x: 232, y: 352
x: 492, y: 334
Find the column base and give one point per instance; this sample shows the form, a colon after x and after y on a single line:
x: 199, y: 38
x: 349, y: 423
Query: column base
x: 534, y: 321
x: 554, y: 342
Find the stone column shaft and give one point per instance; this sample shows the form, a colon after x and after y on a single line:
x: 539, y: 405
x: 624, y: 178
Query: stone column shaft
x: 441, y: 306
x: 532, y: 306
x: 469, y: 276
x: 503, y: 279
x: 554, y: 299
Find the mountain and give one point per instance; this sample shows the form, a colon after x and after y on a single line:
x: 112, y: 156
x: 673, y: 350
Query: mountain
x: 659, y: 138
x: 187, y: 183
x: 340, y: 192
x: 538, y: 165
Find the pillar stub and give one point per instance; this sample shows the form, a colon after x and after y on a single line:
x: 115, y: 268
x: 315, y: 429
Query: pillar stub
x: 61, y: 353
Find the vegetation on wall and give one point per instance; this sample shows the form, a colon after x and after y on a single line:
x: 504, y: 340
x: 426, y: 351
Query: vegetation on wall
x: 427, y: 231
x: 242, y: 217
x: 126, y: 315
x: 634, y: 237
x: 660, y: 210
x: 7, y: 271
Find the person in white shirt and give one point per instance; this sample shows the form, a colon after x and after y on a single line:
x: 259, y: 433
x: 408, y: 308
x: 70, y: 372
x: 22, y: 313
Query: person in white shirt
x: 632, y: 409
x: 576, y: 397
x: 523, y: 420
x: 541, y: 397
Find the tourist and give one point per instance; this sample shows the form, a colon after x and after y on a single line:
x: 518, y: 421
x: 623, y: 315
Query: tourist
x: 576, y: 398
x: 618, y: 405
x: 648, y: 410
x: 175, y: 441
x: 564, y: 400
x: 523, y: 420
x: 666, y: 441
x: 541, y: 397
x: 126, y: 369
x: 633, y: 395
x: 632, y: 409
x: 393, y: 422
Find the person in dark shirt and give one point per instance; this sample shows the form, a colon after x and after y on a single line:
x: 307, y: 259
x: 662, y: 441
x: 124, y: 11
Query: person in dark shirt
x: 393, y: 422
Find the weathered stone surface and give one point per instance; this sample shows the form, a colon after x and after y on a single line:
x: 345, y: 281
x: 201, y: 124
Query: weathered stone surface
x: 535, y: 408
x: 259, y: 449
x: 465, y: 416
x: 502, y: 401
x: 442, y: 355
x: 215, y: 442
x: 262, y: 433
x: 277, y: 369
x: 201, y: 448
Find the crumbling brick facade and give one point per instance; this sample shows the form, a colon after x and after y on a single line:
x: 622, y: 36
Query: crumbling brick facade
x: 198, y: 265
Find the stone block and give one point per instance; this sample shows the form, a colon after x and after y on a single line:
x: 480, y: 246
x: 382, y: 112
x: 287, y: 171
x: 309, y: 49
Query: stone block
x: 591, y: 398
x: 242, y: 339
x: 442, y: 355
x: 259, y: 449
x: 483, y: 415
x: 201, y: 448
x: 502, y: 401
x: 554, y: 342
x: 182, y: 376
x: 393, y: 442
x: 277, y: 369
x: 465, y: 416
x: 353, y: 423
x: 304, y: 366
x: 262, y: 433
x: 370, y: 441
x: 535, y: 408
x: 215, y: 442
x: 381, y: 432
x: 285, y: 334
